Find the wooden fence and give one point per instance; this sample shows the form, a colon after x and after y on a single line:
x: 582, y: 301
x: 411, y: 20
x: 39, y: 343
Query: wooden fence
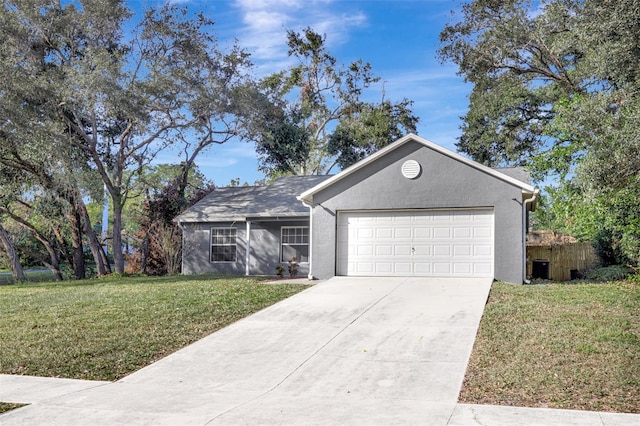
x: 562, y: 259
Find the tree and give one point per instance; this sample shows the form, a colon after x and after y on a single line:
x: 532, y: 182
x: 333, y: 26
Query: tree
x: 34, y: 167
x: 312, y: 116
x: 157, y: 239
x: 120, y: 101
x: 520, y: 64
x: 12, y: 255
x: 556, y: 88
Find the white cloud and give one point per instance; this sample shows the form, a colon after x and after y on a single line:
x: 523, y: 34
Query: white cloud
x: 266, y: 22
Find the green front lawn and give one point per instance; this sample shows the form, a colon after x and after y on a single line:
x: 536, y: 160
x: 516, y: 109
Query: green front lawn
x: 105, y: 329
x: 571, y: 346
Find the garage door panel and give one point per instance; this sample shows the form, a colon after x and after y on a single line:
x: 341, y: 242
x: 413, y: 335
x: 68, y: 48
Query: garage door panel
x: 441, y: 268
x: 364, y: 267
x: 384, y: 250
x: 403, y: 233
x: 462, y: 250
x: 422, y: 268
x: 365, y: 250
x: 482, y: 269
x: 365, y: 233
x: 462, y: 232
x: 441, y: 250
x: 442, y: 232
x: 422, y: 250
x: 403, y: 268
x: 462, y: 268
x: 482, y: 232
x: 402, y: 250
x: 384, y: 268
x: 422, y: 233
x: 420, y: 242
x: 384, y: 233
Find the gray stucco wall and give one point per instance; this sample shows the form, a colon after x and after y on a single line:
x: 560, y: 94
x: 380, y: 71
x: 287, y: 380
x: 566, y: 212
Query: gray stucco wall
x: 443, y: 183
x: 264, y: 249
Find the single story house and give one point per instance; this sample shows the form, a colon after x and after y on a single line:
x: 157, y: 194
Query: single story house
x: 413, y: 208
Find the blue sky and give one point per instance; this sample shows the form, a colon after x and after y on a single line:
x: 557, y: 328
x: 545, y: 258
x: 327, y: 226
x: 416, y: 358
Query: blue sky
x: 398, y: 38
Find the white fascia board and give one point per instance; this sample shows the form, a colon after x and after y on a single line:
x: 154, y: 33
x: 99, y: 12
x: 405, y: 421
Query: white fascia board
x: 307, y: 196
x: 217, y: 219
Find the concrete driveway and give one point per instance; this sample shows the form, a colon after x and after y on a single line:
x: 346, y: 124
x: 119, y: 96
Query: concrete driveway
x: 347, y: 351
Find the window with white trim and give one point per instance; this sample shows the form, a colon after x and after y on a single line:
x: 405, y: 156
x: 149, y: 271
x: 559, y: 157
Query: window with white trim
x: 223, y: 244
x: 295, y: 243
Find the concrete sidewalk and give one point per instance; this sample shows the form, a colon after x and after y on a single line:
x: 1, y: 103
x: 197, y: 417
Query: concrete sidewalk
x: 346, y: 351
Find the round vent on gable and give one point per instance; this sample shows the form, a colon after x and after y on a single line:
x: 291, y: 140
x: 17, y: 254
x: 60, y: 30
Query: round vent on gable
x: 411, y: 169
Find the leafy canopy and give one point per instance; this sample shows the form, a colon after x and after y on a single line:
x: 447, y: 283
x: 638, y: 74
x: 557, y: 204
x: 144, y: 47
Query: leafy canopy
x: 77, y: 87
x: 556, y: 87
x: 314, y: 116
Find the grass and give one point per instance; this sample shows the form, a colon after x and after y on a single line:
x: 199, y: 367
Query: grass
x: 32, y: 276
x: 573, y: 346
x: 105, y: 329
x: 8, y: 406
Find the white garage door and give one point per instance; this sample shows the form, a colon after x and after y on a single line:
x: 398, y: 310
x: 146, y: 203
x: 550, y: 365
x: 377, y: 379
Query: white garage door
x: 418, y: 242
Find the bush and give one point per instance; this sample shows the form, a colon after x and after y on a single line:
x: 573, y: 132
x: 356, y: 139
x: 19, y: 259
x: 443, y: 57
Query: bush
x: 609, y: 273
x: 608, y: 248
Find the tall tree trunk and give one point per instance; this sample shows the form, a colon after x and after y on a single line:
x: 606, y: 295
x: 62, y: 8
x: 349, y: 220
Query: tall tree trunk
x: 118, y: 256
x: 79, y: 268
x: 183, y: 178
x: 97, y: 251
x: 14, y: 259
x: 62, y: 244
x: 145, y: 253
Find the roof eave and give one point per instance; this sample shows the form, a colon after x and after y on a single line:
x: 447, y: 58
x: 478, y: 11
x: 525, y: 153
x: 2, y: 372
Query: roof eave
x: 256, y: 216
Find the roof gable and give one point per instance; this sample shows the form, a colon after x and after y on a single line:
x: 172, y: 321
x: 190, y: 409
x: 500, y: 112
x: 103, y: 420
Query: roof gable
x: 508, y: 177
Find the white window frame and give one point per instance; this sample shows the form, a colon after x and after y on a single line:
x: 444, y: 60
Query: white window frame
x: 233, y: 234
x: 283, y: 243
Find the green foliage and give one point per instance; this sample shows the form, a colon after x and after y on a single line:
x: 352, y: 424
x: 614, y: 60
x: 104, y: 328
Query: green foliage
x: 312, y: 115
x: 83, y: 106
x: 373, y: 128
x: 285, y: 148
x: 609, y: 273
x: 520, y: 64
x: 607, y: 246
x: 610, y: 221
x: 556, y: 87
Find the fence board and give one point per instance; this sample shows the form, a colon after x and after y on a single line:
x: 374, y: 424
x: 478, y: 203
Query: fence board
x: 563, y: 258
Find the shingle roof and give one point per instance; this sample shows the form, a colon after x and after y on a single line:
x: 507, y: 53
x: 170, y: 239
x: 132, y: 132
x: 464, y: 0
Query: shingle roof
x: 279, y: 199
x: 519, y: 173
